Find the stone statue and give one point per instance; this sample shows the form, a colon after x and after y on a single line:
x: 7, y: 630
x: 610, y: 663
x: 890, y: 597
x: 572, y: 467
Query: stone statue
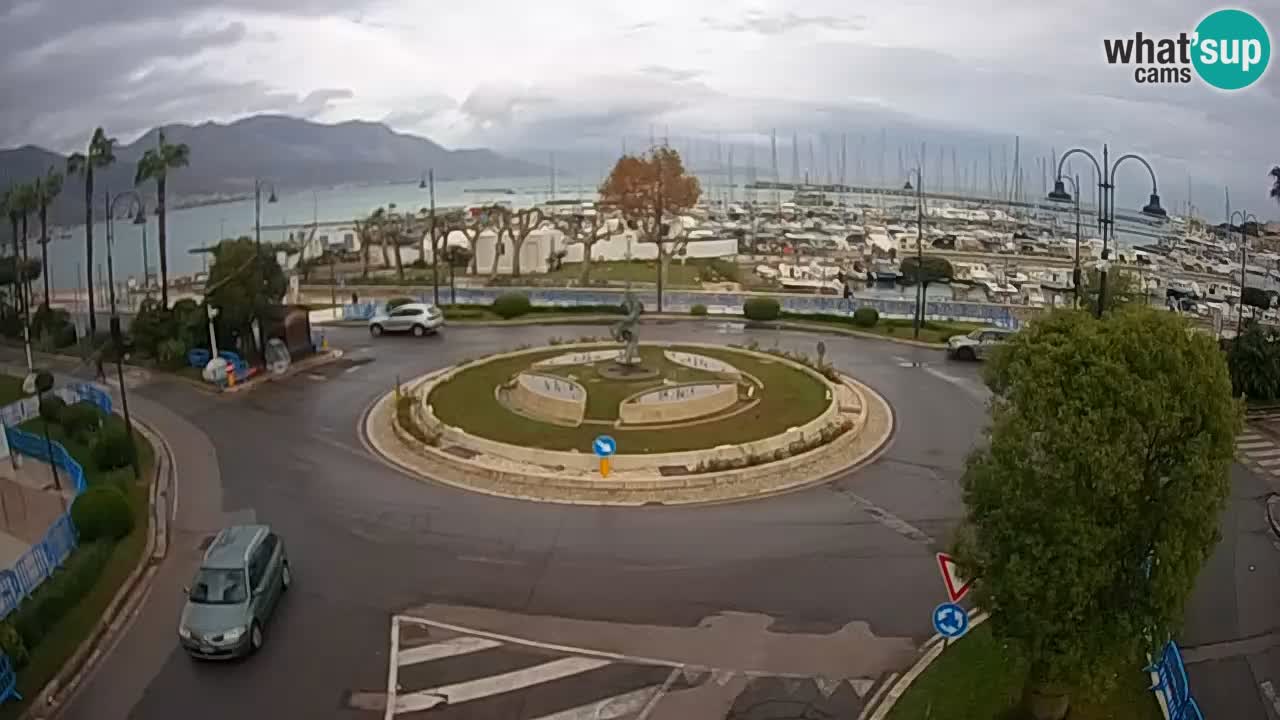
x: 625, y: 332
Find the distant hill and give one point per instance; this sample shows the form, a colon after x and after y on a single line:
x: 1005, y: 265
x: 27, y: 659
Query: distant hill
x: 293, y: 153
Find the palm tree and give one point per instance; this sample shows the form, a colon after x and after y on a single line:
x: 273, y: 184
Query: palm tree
x: 1275, y: 183
x: 101, y: 154
x: 11, y: 203
x: 155, y: 165
x: 47, y: 190
x: 26, y: 203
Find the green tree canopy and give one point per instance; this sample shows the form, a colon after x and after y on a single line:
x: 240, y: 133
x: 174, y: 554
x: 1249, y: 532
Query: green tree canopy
x: 1110, y: 446
x: 1122, y: 288
x: 241, y: 288
x: 933, y: 269
x: 1254, y: 296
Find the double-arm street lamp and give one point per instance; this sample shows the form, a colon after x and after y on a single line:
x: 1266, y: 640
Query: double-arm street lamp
x: 1244, y: 255
x: 258, y: 184
x: 138, y: 209
x: 918, y: 320
x: 1107, y: 202
x: 1064, y: 197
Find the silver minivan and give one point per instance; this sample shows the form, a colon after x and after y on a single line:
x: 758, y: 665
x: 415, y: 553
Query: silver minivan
x: 244, y: 573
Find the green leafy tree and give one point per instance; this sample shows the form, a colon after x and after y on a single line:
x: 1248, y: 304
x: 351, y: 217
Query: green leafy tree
x: 1122, y: 288
x: 100, y: 154
x: 25, y: 202
x: 1254, y: 362
x: 1096, y: 501
x: 1255, y: 297
x: 155, y: 165
x: 243, y: 285
x: 929, y: 270
x: 47, y: 190
x: 1275, y: 183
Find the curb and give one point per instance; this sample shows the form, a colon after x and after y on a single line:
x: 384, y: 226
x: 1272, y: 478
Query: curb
x: 50, y: 700
x: 892, y: 690
x: 586, y: 319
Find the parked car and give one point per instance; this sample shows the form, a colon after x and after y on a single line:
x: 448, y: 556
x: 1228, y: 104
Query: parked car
x: 977, y: 344
x: 417, y: 318
x: 244, y: 573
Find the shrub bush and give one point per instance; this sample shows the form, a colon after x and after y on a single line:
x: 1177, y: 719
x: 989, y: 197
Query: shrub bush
x: 761, y: 309
x: 698, y: 309
x: 112, y: 449
x: 511, y: 305
x: 40, y: 613
x: 12, y: 645
x: 102, y: 513
x: 172, y: 353
x: 461, y: 312
x: 52, y: 408
x: 396, y: 302
x: 866, y: 317
x: 80, y: 420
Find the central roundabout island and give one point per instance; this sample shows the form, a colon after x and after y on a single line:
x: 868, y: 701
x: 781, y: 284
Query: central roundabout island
x: 689, y: 422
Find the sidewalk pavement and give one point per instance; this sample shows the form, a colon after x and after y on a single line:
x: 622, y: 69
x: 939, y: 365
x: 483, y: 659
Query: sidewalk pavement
x: 28, y: 506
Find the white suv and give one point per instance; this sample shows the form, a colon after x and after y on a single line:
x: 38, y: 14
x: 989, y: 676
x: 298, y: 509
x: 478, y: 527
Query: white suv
x: 977, y: 344
x: 417, y: 318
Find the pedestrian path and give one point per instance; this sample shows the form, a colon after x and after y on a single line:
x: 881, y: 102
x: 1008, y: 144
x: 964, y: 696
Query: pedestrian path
x: 443, y: 672
x: 1258, y: 451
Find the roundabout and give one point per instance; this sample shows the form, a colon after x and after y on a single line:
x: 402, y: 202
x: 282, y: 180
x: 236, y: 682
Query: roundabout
x: 692, y: 423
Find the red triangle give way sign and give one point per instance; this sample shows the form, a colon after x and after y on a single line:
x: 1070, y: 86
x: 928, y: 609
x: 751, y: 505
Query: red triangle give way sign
x: 956, y: 587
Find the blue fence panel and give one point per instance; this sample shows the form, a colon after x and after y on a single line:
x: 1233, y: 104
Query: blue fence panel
x: 8, y: 680
x: 1172, y: 684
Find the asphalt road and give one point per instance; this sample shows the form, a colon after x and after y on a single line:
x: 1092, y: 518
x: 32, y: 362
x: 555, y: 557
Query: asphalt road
x: 366, y: 541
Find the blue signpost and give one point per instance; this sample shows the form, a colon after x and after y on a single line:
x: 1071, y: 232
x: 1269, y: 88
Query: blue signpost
x: 604, y: 446
x: 950, y: 620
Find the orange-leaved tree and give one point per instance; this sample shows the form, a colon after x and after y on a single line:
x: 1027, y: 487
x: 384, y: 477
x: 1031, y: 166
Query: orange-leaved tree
x: 651, y: 191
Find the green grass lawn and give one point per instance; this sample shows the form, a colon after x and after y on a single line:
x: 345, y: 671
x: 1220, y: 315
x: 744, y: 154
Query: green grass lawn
x: 790, y: 398
x: 10, y: 389
x: 604, y: 396
x: 977, y: 679
x: 47, y: 658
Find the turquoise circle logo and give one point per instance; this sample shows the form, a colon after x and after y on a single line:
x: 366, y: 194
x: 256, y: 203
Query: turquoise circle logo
x: 1232, y: 49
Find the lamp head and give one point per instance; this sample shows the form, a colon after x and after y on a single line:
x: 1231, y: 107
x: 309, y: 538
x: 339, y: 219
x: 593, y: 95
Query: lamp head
x: 272, y: 197
x: 1060, y: 193
x: 140, y: 217
x: 422, y: 184
x: 907, y: 186
x: 1153, y: 208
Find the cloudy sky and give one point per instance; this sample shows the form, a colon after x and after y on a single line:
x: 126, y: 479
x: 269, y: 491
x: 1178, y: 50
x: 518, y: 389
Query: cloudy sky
x: 517, y: 75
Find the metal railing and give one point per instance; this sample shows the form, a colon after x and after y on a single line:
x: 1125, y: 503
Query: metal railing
x: 1172, y: 686
x: 43, y: 558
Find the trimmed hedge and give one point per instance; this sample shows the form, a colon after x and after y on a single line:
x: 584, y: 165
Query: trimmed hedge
x: 81, y: 420
x: 396, y: 302
x: 698, y: 309
x: 112, y: 449
x: 511, y: 305
x: 102, y: 513
x: 58, y: 595
x: 761, y: 309
x: 866, y: 317
x: 51, y: 409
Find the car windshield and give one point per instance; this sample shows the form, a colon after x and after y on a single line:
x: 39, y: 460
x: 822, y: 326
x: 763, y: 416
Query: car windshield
x: 976, y: 334
x: 219, y: 587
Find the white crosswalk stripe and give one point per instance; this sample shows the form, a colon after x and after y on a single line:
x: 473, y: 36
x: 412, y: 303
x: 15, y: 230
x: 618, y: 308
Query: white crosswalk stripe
x: 620, y: 706
x: 1254, y: 445
x: 492, y: 685
x: 1270, y: 452
x: 444, y: 649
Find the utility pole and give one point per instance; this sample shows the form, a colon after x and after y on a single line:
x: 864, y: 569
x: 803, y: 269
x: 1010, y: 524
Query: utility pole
x: 435, y: 251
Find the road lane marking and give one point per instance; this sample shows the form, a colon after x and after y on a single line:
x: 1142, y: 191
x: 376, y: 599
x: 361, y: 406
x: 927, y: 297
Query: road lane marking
x: 489, y: 560
x: 444, y: 649
x: 647, y: 710
x: 496, y: 684
x: 392, y: 672
x: 350, y: 370
x: 1254, y: 445
x: 888, y: 519
x: 1272, y: 452
x: 1268, y: 463
x: 610, y: 708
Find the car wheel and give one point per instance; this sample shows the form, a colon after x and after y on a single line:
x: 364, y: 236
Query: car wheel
x: 375, y: 330
x: 286, y: 577
x: 255, y: 637
x: 966, y: 353
x: 419, y: 331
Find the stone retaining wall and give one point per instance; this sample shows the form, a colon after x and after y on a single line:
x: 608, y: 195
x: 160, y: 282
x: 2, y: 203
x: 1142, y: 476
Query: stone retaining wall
x: 529, y: 400
x: 634, y: 412
x: 586, y: 462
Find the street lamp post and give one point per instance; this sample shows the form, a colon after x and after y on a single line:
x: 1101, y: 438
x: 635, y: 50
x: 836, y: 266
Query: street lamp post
x: 1244, y: 255
x: 918, y: 320
x: 435, y: 259
x: 257, y: 261
x: 1063, y: 197
x: 1107, y: 204
x: 139, y: 210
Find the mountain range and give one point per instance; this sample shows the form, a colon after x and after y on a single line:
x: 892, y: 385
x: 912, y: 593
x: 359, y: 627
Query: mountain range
x: 290, y: 152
